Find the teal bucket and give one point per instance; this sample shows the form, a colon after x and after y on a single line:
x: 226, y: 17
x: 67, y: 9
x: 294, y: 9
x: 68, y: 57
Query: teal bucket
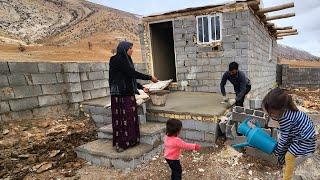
x: 256, y: 137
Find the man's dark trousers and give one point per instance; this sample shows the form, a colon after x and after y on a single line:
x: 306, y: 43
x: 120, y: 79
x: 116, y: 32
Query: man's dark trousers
x: 240, y: 101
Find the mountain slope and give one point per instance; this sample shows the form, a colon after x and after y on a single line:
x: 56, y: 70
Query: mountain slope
x: 291, y: 53
x: 63, y: 29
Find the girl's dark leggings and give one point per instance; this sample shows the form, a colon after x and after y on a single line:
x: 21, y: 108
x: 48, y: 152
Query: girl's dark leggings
x: 176, y: 169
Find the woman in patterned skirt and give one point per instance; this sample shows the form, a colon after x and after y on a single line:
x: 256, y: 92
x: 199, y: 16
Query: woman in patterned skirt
x: 123, y: 87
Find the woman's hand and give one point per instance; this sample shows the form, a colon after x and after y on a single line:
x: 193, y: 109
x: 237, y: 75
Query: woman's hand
x: 146, y: 90
x: 154, y: 79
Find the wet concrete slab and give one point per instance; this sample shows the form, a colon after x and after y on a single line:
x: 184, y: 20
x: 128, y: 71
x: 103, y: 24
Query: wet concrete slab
x: 196, y: 103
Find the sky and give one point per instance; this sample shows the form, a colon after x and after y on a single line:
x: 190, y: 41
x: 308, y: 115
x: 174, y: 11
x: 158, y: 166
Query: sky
x: 306, y: 20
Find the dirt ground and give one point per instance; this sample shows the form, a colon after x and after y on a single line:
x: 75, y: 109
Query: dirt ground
x: 307, y: 98
x: 35, y: 146
x: 43, y: 149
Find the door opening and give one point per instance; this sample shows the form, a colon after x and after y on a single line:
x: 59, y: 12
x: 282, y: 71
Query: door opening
x: 164, y: 66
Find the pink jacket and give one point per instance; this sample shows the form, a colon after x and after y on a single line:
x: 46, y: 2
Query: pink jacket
x: 173, y: 146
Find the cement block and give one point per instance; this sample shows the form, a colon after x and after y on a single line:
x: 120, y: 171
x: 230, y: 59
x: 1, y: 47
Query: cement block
x: 259, y: 113
x: 195, y: 135
x: 23, y: 67
x: 142, y: 119
x: 238, y: 109
x: 49, y: 67
x: 21, y: 115
x: 102, y: 119
x: 24, y: 104
x: 59, y: 77
x: 83, y: 76
x: 17, y: 80
x: 4, y: 68
x: 249, y: 111
x: 106, y: 74
x: 44, y: 78
x: 210, y: 137
x: 86, y: 95
x: 53, y: 89
x: 72, y: 77
x: 6, y: 93
x: 4, y: 81
x: 50, y: 100
x: 75, y: 97
x: 4, y: 107
x: 84, y: 67
x: 97, y: 84
x: 70, y: 67
x: 87, y: 85
x: 98, y: 66
x: 239, y: 117
x: 205, y: 126
x: 27, y: 91
x: 73, y: 87
x: 52, y: 111
x: 97, y: 93
x: 188, y: 124
x: 96, y: 75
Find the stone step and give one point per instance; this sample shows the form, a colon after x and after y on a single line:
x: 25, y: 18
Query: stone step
x: 102, y: 116
x: 150, y: 133
x: 102, y: 153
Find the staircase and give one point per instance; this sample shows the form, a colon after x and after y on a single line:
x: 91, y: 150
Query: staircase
x: 102, y: 153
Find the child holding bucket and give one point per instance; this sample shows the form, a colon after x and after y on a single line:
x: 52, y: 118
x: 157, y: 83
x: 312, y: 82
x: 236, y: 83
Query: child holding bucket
x: 173, y: 145
x: 297, y: 134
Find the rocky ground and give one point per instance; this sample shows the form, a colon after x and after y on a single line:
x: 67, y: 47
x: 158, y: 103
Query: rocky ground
x: 43, y: 149
x: 35, y: 146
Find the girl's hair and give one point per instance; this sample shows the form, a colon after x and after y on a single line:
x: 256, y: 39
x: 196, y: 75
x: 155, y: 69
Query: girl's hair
x: 277, y: 99
x: 173, y: 127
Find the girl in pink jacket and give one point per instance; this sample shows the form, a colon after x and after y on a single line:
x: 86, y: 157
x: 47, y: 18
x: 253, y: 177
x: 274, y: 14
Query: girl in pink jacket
x: 173, y: 146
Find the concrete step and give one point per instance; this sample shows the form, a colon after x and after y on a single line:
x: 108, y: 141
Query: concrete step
x: 102, y: 153
x: 102, y: 116
x: 150, y: 133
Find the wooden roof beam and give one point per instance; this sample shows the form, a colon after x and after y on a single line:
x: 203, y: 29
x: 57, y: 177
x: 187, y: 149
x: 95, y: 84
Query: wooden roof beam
x: 275, y: 8
x: 287, y: 34
x: 280, y: 16
x: 283, y: 28
x: 287, y: 31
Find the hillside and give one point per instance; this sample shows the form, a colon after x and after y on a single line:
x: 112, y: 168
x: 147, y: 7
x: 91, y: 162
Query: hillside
x: 63, y: 30
x: 291, y: 53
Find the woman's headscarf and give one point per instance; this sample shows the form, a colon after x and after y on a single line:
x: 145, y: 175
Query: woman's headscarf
x: 123, y: 47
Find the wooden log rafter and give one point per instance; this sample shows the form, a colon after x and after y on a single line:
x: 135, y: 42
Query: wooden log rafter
x: 270, y: 18
x: 283, y: 28
x: 287, y: 31
x: 275, y: 8
x: 287, y: 34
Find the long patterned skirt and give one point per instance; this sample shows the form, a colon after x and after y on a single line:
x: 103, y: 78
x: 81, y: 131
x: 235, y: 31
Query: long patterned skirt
x: 125, y: 121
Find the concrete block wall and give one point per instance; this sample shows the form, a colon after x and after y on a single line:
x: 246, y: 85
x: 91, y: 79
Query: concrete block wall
x: 32, y: 90
x: 202, y: 66
x: 262, y: 70
x: 295, y: 77
x: 29, y: 90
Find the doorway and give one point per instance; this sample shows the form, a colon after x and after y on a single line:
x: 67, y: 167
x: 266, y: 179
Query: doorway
x: 164, y: 66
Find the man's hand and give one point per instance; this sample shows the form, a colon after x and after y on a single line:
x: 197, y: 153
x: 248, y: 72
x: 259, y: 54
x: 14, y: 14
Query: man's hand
x: 154, y: 79
x: 146, y: 90
x: 225, y: 99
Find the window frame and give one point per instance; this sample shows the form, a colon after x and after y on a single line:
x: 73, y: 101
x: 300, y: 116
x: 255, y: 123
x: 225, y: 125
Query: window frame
x: 210, y: 17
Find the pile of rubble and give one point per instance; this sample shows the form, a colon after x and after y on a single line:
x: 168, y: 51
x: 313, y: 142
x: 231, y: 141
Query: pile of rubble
x: 36, y: 146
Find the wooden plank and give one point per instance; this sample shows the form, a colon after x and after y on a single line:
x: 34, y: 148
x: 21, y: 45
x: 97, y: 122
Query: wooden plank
x: 279, y: 38
x: 280, y: 16
x: 287, y: 31
x: 287, y: 34
x: 275, y: 8
x: 283, y: 28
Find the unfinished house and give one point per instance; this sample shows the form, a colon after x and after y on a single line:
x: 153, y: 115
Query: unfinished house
x: 194, y: 46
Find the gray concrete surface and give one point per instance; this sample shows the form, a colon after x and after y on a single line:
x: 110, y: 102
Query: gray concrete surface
x: 195, y: 103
